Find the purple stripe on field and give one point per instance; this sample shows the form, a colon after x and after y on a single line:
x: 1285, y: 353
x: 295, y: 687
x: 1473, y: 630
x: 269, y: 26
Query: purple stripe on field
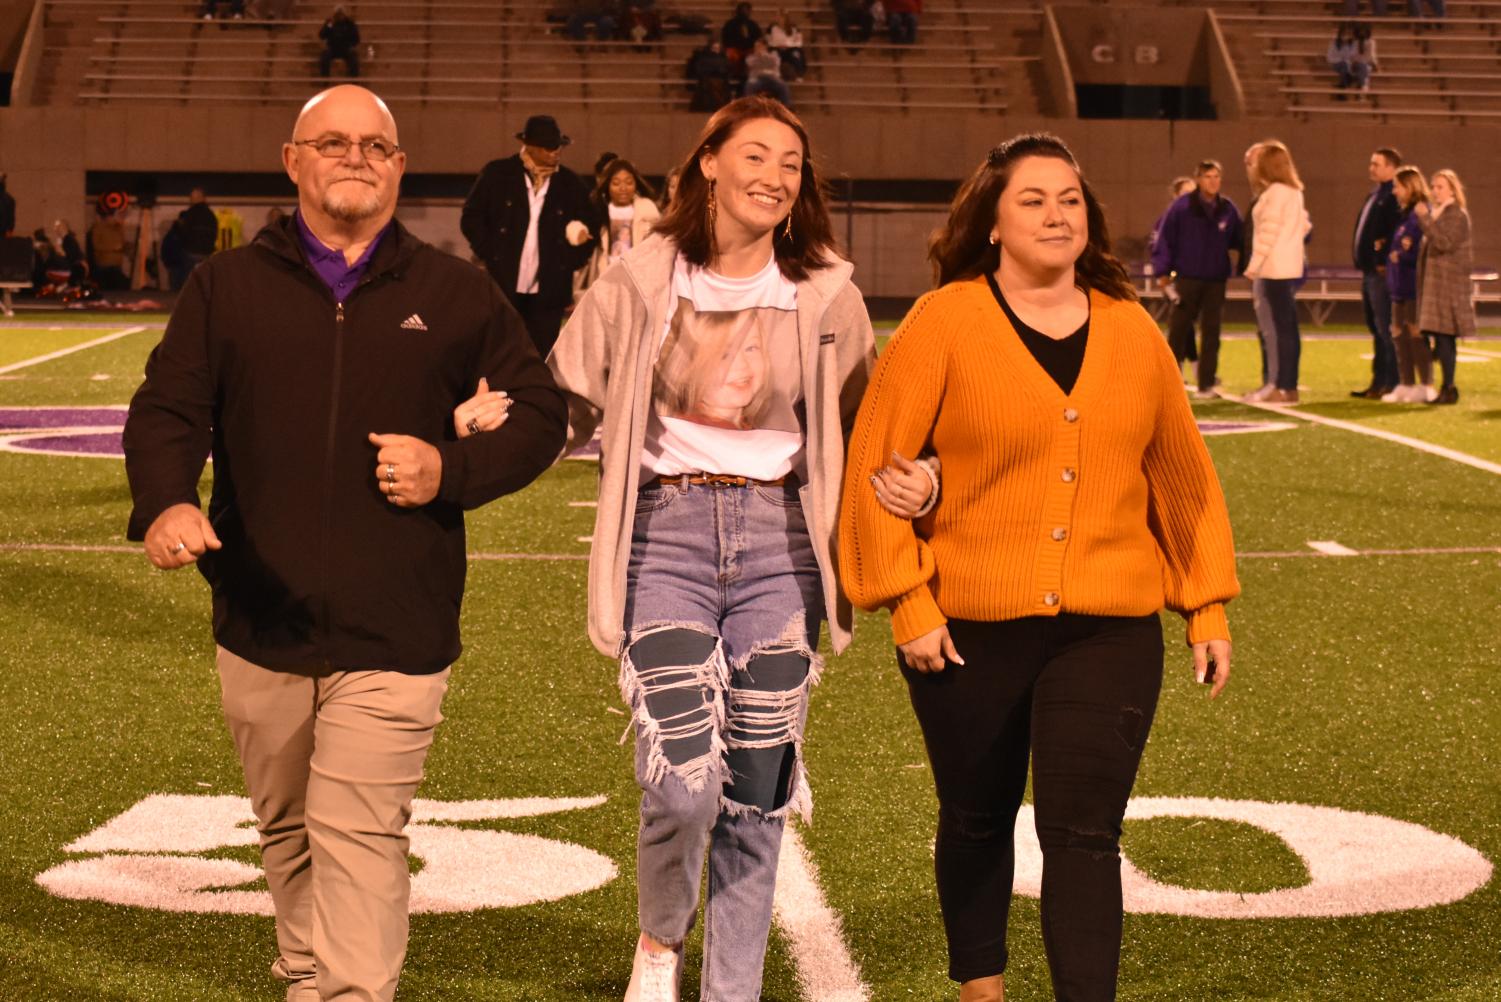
x: 19, y: 418
x: 104, y: 443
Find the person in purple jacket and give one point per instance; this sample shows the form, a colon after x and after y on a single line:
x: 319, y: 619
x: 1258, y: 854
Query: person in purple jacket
x: 1414, y: 360
x: 1192, y: 252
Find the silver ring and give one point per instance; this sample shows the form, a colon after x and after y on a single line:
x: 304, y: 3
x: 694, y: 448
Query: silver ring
x: 473, y: 426
x: 179, y: 548
x: 390, y: 473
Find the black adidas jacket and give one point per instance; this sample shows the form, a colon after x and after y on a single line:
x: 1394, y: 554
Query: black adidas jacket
x: 260, y: 367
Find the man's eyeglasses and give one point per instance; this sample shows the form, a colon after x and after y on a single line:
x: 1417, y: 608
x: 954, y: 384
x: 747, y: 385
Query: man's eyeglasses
x: 337, y: 147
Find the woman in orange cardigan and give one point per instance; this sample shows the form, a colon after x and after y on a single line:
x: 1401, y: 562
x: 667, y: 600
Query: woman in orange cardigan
x: 1078, y: 499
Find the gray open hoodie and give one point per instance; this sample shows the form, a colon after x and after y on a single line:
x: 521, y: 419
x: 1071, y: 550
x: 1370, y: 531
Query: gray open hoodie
x: 603, y: 362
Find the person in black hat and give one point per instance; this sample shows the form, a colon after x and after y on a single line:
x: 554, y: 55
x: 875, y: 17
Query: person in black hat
x: 530, y: 221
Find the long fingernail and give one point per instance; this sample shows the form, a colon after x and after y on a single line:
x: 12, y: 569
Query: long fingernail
x: 1200, y: 677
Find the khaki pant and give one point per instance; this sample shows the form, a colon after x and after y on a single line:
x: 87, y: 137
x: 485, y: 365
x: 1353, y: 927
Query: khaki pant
x: 332, y: 763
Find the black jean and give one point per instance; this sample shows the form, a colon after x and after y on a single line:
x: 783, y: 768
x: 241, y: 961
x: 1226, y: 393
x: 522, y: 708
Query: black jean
x: 1078, y: 693
x: 543, y: 319
x: 1203, y: 301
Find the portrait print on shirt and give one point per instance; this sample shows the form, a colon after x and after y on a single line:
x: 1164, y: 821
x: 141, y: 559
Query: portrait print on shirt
x: 727, y: 387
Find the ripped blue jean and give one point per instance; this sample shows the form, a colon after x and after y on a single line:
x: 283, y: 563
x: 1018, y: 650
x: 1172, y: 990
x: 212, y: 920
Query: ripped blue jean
x: 723, y: 608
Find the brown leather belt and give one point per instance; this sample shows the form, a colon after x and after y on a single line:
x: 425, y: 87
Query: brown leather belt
x: 714, y: 480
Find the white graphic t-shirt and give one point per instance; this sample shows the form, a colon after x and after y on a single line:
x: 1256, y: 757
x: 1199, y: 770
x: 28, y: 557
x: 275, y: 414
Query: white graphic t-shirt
x: 727, y: 391
x: 621, y: 217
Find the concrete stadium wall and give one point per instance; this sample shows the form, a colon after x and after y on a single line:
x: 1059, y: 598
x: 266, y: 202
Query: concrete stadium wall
x: 46, y: 152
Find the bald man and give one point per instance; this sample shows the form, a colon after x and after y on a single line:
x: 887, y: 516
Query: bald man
x: 321, y: 367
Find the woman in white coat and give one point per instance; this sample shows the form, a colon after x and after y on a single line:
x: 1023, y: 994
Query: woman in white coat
x: 1279, y: 225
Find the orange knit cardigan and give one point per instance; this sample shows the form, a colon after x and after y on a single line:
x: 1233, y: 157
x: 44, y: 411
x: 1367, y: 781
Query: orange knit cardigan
x: 1102, y: 501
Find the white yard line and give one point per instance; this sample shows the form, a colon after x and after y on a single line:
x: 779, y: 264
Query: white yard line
x: 102, y: 548
x: 68, y: 351
x: 1421, y: 551
x: 825, y: 969
x: 1467, y: 350
x: 1330, y: 548
x: 1389, y: 436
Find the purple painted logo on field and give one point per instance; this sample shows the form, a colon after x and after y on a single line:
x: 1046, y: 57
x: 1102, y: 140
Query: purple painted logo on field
x: 63, y: 431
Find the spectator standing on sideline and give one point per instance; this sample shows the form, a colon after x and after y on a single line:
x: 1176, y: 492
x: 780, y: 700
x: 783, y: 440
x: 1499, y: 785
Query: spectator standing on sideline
x: 341, y: 40
x: 1278, y: 261
x: 763, y: 73
x: 710, y: 72
x: 7, y: 210
x: 334, y: 539
x: 528, y: 218
x: 1446, y: 307
x: 1373, y: 231
x: 1179, y: 187
x: 198, y: 229
x: 106, y: 251
x: 1414, y: 358
x: 1192, y: 253
x: 786, y: 40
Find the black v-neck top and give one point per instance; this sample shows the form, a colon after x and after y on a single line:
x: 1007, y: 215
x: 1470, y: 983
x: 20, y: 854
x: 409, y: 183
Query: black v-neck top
x: 1060, y: 358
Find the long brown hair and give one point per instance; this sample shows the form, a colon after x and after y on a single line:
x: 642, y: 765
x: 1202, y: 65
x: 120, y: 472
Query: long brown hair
x: 962, y: 248
x: 686, y: 219
x: 1274, y: 165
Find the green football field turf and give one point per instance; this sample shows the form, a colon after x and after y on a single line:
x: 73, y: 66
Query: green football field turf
x: 1365, y: 683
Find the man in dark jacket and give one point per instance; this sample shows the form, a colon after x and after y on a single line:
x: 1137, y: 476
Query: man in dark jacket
x: 1192, y: 252
x: 530, y: 220
x: 1378, y: 217
x: 320, y: 367
x: 198, y: 229
x: 341, y: 40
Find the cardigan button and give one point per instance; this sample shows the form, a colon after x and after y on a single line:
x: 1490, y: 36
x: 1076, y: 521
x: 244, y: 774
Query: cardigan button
x: 1050, y: 599
x: 1070, y: 415
x: 1069, y: 474
x: 1059, y: 535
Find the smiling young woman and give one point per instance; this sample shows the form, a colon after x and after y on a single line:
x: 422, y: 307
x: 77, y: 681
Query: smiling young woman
x: 1078, y: 500
x: 723, y: 357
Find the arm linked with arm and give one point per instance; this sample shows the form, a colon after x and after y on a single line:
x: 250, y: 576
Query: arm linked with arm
x: 481, y: 468
x: 882, y: 561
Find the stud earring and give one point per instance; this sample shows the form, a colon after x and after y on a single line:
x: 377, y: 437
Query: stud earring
x: 994, y: 240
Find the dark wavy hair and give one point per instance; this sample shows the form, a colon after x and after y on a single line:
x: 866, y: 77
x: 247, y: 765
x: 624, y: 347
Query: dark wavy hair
x: 962, y: 248
x: 601, y: 192
x: 686, y: 220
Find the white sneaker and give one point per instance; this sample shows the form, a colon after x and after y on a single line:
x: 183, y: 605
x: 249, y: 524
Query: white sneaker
x: 1206, y: 394
x: 1256, y: 396
x: 654, y: 975
x: 1427, y: 394
x: 1395, y: 395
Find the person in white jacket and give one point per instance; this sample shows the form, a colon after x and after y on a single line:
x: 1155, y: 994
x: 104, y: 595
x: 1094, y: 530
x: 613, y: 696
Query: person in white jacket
x: 1279, y: 225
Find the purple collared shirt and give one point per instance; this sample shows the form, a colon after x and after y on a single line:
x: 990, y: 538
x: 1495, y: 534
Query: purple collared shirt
x: 336, y: 273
